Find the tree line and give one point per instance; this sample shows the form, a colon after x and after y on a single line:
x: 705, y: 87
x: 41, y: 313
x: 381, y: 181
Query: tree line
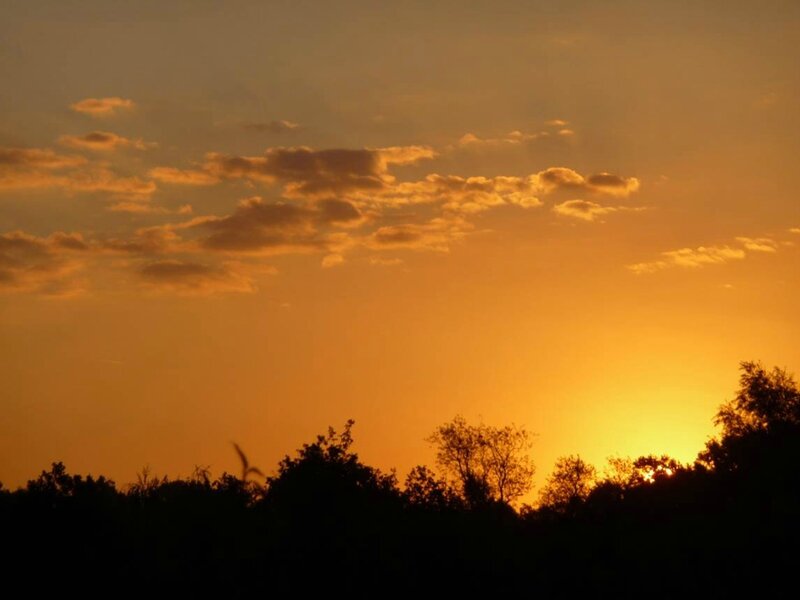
x: 325, y: 520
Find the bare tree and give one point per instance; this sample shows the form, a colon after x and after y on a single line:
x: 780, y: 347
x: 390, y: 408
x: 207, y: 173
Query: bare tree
x: 483, y: 460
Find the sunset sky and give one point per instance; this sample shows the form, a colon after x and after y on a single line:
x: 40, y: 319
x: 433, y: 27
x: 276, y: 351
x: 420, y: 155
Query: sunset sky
x: 246, y: 221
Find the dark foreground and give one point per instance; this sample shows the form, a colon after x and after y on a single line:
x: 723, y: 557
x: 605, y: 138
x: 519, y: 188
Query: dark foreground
x: 327, y: 523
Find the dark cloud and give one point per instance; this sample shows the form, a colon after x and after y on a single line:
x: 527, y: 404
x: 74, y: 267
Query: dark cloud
x: 304, y: 172
x: 38, y: 168
x: 42, y: 265
x: 195, y: 278
x: 275, y: 227
x: 260, y: 226
x: 437, y: 234
x: 339, y: 212
x: 37, y: 158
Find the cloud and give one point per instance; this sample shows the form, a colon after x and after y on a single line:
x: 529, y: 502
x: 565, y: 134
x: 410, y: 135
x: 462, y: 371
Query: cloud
x: 90, y: 179
x: 692, y: 258
x: 513, y: 138
x: 709, y: 255
x: 41, y: 265
x: 563, y: 178
x: 257, y: 226
x: 476, y: 194
x: 193, y: 278
x: 332, y: 260
x: 458, y: 194
x: 145, y: 241
x: 553, y: 127
x: 14, y: 159
x: 102, y: 107
x: 279, y: 126
x: 586, y: 210
x: 304, y: 172
x: 794, y: 230
x: 37, y: 168
x: 339, y: 212
x: 762, y: 244
x: 437, y: 234
x: 103, y: 141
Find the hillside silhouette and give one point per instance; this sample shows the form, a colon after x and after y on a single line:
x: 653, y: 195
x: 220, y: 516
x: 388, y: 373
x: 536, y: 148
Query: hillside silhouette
x: 325, y: 522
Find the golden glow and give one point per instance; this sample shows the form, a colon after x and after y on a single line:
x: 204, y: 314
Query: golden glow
x: 251, y: 224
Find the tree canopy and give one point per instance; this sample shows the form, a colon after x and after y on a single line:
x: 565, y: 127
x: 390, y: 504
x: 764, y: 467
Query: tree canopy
x: 569, y: 483
x: 488, y: 463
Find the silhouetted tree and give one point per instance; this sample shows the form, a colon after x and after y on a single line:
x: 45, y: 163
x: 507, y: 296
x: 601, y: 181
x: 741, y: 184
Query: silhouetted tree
x: 765, y: 399
x: 652, y: 468
x: 326, y: 476
x: 568, y: 485
x: 761, y: 419
x: 424, y: 489
x: 488, y: 463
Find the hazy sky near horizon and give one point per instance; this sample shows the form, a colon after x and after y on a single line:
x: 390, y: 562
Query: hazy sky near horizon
x: 251, y: 220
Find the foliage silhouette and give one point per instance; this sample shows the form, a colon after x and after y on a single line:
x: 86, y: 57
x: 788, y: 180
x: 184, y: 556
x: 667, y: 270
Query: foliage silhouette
x: 759, y: 425
x: 328, y: 523
x: 568, y: 485
x: 488, y: 463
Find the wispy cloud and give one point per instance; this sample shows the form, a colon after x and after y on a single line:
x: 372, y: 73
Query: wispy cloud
x: 704, y: 256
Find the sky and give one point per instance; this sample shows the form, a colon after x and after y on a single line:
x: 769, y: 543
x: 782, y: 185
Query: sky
x: 247, y: 221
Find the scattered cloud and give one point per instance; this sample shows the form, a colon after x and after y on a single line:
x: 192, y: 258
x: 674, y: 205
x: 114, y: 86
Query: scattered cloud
x: 15, y: 159
x: 304, y: 172
x: 103, y: 141
x: 690, y: 258
x: 703, y: 256
x: 42, y: 265
x: 102, y: 107
x: 476, y: 194
x: 332, y: 202
x: 458, y: 194
x: 37, y: 168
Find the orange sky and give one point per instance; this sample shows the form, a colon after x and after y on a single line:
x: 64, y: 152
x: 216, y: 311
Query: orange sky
x: 248, y: 221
